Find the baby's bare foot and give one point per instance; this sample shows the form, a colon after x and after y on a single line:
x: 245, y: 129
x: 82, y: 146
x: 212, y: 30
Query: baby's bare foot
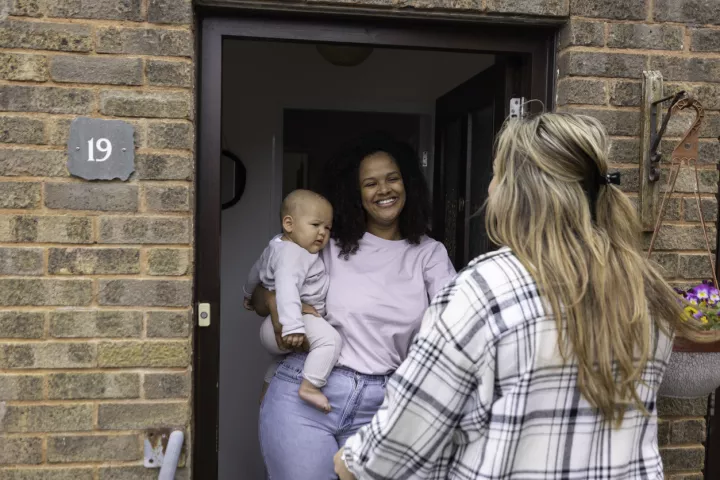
x: 312, y: 395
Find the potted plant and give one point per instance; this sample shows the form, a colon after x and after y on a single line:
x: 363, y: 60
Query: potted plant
x: 694, y: 368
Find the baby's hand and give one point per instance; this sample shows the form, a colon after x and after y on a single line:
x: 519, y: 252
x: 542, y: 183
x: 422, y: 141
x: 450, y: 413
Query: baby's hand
x: 294, y: 340
x: 248, y: 305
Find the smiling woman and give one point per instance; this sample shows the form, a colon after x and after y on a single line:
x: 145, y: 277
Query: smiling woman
x: 383, y: 271
x: 395, y: 200
x: 383, y: 194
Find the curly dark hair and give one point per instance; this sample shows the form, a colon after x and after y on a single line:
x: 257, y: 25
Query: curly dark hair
x: 341, y: 185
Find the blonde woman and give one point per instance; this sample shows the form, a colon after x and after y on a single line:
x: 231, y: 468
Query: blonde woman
x: 543, y: 359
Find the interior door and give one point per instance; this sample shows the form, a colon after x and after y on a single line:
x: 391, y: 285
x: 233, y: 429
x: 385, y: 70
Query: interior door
x: 467, y: 120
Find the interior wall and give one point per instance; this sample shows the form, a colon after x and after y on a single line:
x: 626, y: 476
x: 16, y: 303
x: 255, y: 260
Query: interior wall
x: 322, y: 133
x: 260, y: 80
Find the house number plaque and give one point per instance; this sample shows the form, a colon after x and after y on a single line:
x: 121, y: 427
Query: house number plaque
x: 101, y: 149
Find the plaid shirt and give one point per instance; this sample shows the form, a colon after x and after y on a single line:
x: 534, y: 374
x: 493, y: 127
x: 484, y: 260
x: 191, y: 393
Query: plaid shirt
x: 485, y: 394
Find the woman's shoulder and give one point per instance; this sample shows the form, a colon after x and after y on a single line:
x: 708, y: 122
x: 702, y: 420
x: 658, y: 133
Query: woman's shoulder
x: 429, y: 244
x: 496, y: 283
x: 491, y: 276
x: 495, y: 268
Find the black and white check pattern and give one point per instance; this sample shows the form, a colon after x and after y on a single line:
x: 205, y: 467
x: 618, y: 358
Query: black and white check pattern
x: 485, y: 394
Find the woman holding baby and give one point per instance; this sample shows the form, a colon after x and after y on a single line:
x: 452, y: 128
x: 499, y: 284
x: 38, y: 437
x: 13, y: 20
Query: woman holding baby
x: 382, y: 271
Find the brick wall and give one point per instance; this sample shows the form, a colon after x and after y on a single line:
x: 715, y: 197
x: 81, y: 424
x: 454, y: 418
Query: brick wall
x: 95, y: 277
x: 603, y: 51
x: 680, y: 434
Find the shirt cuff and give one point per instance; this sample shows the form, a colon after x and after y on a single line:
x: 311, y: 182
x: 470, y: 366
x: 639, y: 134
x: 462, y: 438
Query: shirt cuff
x: 300, y: 329
x: 348, y: 459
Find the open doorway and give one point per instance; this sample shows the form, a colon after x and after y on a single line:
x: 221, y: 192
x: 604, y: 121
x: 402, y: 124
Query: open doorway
x: 286, y: 109
x: 276, y: 119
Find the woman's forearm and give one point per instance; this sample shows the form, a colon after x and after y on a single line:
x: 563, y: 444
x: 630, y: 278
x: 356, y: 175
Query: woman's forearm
x: 259, y: 301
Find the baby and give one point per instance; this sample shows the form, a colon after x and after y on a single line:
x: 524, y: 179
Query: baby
x: 291, y: 266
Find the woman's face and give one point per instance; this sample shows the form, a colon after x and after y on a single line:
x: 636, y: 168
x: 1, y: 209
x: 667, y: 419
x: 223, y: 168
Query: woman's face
x: 381, y: 189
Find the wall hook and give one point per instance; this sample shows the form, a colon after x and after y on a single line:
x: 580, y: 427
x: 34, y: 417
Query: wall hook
x: 687, y: 149
x: 685, y: 154
x: 655, y: 136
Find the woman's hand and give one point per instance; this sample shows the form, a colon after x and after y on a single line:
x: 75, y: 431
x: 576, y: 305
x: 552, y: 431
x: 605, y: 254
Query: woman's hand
x: 263, y: 301
x: 309, y: 310
x: 248, y: 305
x: 340, y: 468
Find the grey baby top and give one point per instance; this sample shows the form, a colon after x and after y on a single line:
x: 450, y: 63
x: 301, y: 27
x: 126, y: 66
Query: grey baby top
x: 296, y: 275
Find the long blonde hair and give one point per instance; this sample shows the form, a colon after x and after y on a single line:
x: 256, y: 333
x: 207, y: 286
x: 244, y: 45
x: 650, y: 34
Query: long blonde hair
x: 581, y: 241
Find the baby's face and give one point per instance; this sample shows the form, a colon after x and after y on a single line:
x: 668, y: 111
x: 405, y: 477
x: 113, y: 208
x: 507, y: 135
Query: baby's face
x: 311, y: 226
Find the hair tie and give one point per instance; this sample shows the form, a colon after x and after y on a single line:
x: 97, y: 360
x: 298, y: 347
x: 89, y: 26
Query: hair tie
x: 610, y: 179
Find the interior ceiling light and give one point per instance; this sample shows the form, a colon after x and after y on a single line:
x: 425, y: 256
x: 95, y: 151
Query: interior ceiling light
x: 344, y: 55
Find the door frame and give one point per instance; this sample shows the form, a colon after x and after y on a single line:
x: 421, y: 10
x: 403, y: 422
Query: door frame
x: 535, y: 44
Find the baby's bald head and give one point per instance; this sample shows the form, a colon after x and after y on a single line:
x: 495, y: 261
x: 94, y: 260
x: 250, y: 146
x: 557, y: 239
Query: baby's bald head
x: 307, y: 219
x: 301, y: 202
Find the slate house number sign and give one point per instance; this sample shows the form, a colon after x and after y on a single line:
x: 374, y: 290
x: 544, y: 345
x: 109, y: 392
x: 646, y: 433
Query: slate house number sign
x: 101, y: 149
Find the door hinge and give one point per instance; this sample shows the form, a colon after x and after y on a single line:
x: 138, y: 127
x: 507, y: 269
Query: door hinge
x: 517, y: 107
x: 203, y: 314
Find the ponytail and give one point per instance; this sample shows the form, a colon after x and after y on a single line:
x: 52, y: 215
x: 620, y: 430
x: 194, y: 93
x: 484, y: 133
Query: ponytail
x: 608, y: 300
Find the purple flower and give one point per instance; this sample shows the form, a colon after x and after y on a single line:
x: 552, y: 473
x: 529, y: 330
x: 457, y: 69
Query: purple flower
x: 705, y: 292
x: 702, y: 292
x: 714, y: 295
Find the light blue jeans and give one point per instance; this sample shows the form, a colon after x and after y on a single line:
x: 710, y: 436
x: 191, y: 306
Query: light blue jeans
x: 298, y: 442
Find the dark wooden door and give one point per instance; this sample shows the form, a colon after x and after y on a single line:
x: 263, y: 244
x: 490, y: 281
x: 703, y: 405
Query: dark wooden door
x: 467, y: 120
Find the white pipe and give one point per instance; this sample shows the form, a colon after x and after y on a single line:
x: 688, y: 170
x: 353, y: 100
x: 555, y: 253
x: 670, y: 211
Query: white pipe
x: 172, y: 456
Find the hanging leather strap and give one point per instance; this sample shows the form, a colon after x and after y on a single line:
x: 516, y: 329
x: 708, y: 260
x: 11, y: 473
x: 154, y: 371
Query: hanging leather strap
x: 685, y: 153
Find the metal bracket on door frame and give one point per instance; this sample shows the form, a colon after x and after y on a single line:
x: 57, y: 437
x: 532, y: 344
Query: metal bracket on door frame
x: 517, y: 107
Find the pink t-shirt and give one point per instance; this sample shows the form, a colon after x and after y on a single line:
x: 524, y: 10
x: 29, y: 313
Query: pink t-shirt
x: 378, y: 296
